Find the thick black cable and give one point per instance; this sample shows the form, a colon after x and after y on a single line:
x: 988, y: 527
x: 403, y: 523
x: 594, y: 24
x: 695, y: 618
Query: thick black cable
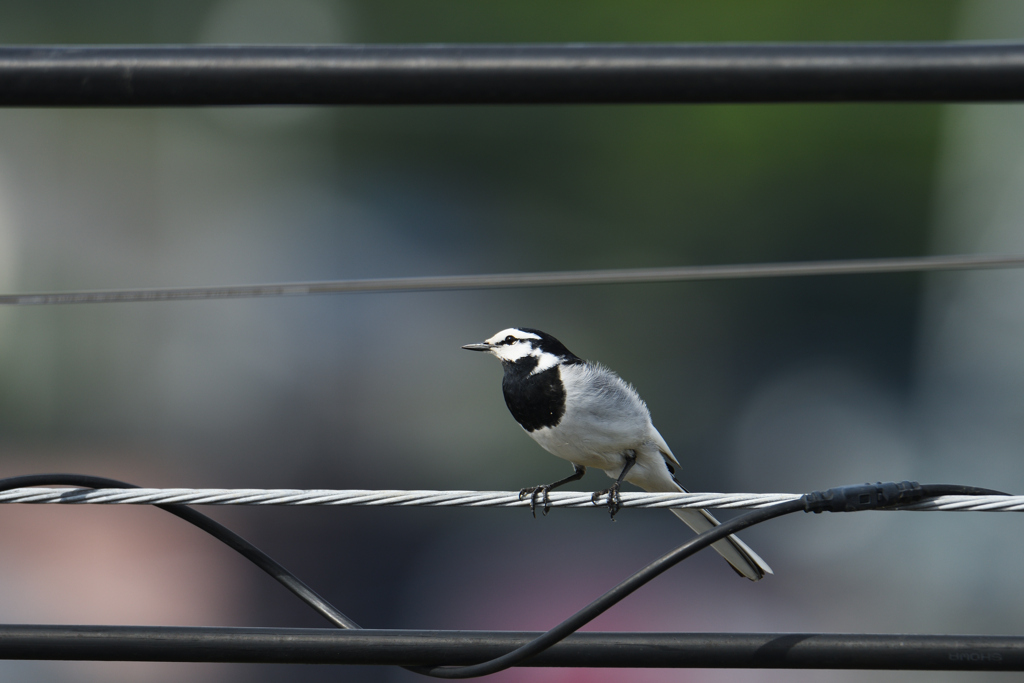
x: 196, y: 75
x: 614, y: 276
x: 396, y: 647
x: 215, y: 529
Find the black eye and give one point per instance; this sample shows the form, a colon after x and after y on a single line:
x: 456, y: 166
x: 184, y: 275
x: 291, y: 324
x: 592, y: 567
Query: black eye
x: 510, y: 339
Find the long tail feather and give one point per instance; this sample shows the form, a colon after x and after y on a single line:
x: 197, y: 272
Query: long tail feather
x: 737, y: 553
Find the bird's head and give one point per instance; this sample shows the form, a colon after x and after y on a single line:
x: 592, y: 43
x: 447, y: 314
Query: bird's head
x: 523, y: 344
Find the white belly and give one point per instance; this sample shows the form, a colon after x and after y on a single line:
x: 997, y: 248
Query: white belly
x: 582, y: 447
x: 593, y: 434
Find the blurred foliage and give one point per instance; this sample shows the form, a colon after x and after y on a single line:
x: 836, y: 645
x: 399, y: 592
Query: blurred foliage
x: 585, y: 187
x: 652, y: 185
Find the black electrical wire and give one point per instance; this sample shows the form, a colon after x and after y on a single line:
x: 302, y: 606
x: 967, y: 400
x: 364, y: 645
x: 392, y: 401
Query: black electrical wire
x: 841, y: 499
x: 197, y: 75
x: 215, y: 529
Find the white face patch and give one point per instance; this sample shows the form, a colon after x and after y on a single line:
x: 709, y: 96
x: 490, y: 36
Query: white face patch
x: 512, y: 351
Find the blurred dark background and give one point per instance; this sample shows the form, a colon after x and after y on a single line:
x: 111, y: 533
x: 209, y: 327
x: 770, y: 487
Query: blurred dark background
x: 776, y: 385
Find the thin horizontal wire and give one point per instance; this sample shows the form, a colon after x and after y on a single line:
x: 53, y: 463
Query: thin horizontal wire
x: 916, y: 264
x: 365, y: 498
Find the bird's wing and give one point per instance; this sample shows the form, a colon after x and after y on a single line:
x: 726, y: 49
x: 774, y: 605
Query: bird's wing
x: 659, y: 441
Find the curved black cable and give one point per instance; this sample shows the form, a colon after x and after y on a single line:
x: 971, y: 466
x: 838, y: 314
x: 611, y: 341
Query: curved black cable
x: 215, y: 529
x: 606, y: 601
x: 842, y: 499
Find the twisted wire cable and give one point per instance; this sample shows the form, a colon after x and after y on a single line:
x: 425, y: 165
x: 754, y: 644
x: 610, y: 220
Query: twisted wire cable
x: 369, y: 498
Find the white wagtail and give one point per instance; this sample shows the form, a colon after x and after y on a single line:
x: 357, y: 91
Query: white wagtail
x: 586, y: 414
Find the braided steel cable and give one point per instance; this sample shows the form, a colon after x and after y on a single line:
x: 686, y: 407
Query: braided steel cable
x: 386, y: 498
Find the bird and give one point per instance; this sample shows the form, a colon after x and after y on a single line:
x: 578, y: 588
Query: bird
x: 583, y: 412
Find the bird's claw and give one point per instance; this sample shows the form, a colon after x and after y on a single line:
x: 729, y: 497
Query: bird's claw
x: 536, y: 492
x: 614, y: 499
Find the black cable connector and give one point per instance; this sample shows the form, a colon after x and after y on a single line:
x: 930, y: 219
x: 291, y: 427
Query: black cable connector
x: 882, y: 495
x: 863, y: 497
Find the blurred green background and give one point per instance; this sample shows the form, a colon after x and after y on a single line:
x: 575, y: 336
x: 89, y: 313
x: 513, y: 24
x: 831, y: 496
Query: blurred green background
x: 757, y: 385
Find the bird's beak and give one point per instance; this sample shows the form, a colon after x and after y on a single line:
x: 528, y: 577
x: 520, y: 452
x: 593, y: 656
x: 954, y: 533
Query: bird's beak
x: 477, y: 347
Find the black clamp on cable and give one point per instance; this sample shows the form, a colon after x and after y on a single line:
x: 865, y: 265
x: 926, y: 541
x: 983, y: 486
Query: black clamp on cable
x: 863, y: 497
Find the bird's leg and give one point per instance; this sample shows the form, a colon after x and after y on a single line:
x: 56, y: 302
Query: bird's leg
x: 542, y: 491
x: 614, y: 500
